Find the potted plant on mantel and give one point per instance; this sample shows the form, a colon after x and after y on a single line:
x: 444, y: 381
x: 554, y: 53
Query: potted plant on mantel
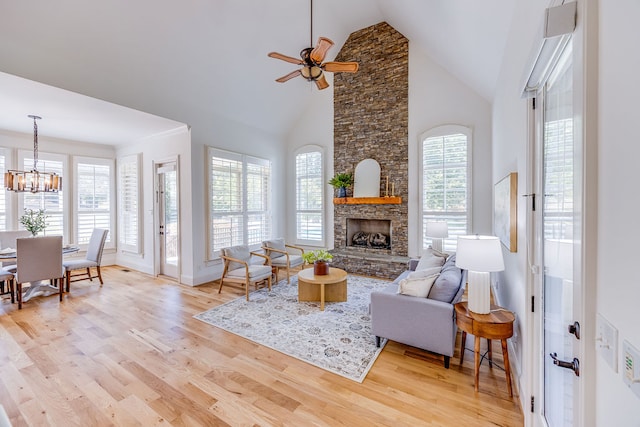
x: 34, y: 221
x: 341, y: 181
x: 320, y: 259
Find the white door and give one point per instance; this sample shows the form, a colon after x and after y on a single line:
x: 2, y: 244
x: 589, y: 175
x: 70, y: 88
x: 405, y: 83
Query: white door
x: 168, y: 224
x: 558, y: 231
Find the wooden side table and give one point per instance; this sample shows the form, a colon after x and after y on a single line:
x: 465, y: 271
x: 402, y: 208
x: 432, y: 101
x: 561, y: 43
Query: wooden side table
x: 496, y: 325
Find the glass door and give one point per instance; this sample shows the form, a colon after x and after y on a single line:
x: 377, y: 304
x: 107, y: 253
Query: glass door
x: 559, y: 226
x: 168, y: 225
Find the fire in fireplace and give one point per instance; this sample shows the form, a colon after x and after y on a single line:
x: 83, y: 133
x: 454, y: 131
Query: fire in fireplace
x: 369, y: 233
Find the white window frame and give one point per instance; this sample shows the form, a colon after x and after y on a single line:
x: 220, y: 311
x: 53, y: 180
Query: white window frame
x: 244, y: 159
x: 43, y: 157
x: 5, y: 206
x: 110, y: 242
x: 123, y: 245
x: 304, y: 150
x: 450, y: 243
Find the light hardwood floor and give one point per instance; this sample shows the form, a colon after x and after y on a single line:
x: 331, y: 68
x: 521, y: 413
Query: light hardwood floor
x: 129, y: 353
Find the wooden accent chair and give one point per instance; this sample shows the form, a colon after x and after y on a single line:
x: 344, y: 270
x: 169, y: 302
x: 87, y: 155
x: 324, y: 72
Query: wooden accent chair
x: 92, y: 259
x: 276, y: 249
x: 39, y: 258
x: 239, y: 269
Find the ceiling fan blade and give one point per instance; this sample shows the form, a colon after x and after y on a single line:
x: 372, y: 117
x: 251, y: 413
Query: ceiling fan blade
x: 321, y: 49
x: 337, y: 67
x: 321, y: 82
x: 289, y: 76
x: 277, y: 55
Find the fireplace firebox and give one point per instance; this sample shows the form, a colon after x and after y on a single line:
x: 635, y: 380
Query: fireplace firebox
x: 369, y: 233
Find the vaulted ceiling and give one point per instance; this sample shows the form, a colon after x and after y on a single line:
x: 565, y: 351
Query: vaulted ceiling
x: 189, y: 59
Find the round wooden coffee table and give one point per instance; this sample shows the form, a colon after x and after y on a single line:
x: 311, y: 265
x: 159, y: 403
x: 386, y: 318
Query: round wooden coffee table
x: 330, y: 287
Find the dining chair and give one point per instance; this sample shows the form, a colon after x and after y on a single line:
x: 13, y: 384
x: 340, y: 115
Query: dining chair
x: 276, y: 249
x: 92, y: 259
x: 39, y: 258
x: 8, y: 240
x: 239, y: 269
x: 6, y: 280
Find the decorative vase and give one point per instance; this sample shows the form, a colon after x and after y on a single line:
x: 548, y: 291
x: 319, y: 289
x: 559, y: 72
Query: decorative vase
x: 342, y: 191
x: 320, y: 268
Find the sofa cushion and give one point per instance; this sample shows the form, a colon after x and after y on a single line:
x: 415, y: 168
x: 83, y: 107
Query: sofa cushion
x: 419, y: 287
x: 446, y: 286
x: 275, y: 244
x: 431, y: 258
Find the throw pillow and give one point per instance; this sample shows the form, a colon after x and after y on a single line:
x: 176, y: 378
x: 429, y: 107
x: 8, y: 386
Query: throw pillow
x: 416, y: 287
x: 421, y: 274
x: 431, y: 258
x: 447, y: 284
x: 275, y: 244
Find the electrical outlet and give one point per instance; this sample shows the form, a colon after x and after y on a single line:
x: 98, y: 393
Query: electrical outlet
x: 631, y: 360
x: 607, y: 342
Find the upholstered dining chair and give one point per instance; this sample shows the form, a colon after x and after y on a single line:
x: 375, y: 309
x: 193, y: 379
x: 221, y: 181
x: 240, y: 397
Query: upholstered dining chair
x: 8, y: 240
x: 239, y: 269
x: 92, y: 259
x: 6, y: 284
x: 276, y: 249
x: 39, y: 258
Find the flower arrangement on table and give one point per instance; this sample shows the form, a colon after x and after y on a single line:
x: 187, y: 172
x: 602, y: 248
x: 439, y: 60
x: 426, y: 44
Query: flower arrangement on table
x: 34, y: 221
x: 320, y: 259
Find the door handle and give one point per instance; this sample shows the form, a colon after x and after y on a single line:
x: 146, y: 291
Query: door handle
x: 573, y: 365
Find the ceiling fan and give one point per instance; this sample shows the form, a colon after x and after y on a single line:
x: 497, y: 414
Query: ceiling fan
x: 311, y: 60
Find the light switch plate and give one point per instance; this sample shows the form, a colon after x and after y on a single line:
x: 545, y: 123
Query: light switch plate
x: 631, y: 368
x: 607, y: 342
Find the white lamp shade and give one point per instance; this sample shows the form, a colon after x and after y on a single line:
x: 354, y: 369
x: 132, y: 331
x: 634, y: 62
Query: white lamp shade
x: 437, y: 229
x: 479, y: 253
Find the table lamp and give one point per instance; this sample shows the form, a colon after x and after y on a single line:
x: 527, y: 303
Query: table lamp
x: 437, y: 230
x: 479, y: 255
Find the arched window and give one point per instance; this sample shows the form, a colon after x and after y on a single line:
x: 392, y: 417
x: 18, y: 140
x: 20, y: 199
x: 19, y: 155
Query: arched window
x: 309, y: 196
x: 446, y: 181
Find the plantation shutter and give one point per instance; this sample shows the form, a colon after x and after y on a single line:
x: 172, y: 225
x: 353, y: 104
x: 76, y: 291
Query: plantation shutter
x: 309, y: 200
x: 258, y: 176
x: 445, y: 185
x: 3, y: 192
x: 129, y: 204
x: 52, y: 203
x: 93, y: 199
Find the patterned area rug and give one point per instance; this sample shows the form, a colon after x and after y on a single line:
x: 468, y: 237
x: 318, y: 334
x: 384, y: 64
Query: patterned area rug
x: 337, y: 339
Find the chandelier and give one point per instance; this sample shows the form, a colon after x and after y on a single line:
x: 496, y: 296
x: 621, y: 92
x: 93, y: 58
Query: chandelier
x: 33, y: 181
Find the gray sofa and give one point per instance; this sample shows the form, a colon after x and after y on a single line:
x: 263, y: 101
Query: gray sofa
x: 426, y: 323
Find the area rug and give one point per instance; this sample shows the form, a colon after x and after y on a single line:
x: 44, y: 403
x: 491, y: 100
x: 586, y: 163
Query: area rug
x: 337, y: 339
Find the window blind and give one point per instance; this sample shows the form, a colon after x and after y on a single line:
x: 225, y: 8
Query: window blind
x: 93, y: 189
x: 445, y: 167
x: 309, y: 200
x: 128, y: 204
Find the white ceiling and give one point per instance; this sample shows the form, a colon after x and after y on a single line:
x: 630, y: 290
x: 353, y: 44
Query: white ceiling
x: 188, y: 60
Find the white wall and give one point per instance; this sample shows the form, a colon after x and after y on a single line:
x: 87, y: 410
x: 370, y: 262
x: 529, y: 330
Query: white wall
x: 435, y: 98
x: 229, y: 135
x: 616, y: 171
x: 14, y: 141
x: 618, y: 228
x: 158, y: 148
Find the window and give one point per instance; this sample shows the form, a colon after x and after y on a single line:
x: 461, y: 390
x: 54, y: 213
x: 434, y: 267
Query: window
x: 240, y: 195
x: 309, y: 197
x: 129, y: 226
x: 3, y: 192
x: 52, y: 203
x: 446, y: 189
x: 93, y: 179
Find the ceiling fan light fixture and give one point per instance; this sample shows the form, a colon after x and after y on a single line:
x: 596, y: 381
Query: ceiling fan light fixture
x: 311, y: 72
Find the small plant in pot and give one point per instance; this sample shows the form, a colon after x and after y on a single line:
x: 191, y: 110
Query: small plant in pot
x: 320, y: 259
x: 342, y: 181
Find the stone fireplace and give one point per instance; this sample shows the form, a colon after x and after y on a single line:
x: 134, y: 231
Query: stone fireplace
x: 371, y: 112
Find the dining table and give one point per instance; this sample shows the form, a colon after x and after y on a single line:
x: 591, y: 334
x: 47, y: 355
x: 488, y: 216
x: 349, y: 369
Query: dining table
x: 39, y: 288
